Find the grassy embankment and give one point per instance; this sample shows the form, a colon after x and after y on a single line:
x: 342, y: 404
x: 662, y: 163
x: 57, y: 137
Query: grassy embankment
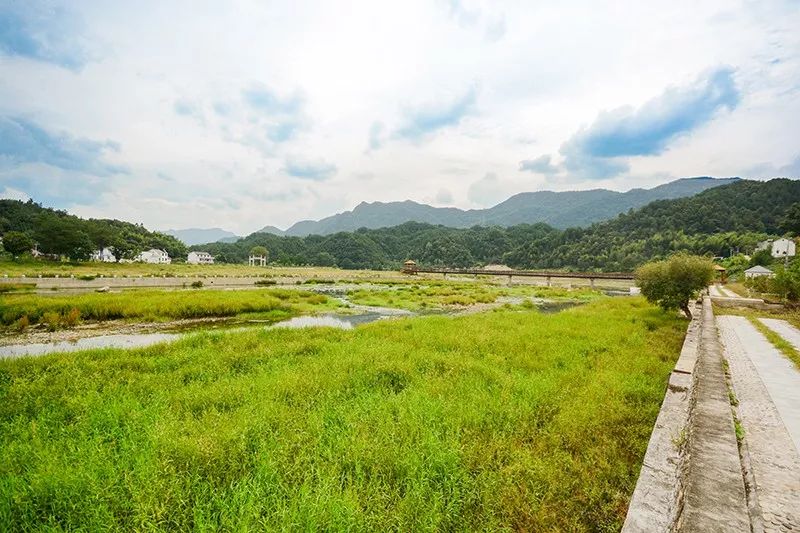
x: 436, y: 295
x: 502, y: 420
x: 33, y: 269
x: 157, y: 305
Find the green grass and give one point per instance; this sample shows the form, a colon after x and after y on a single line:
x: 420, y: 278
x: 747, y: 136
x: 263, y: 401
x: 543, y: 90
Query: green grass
x: 508, y: 420
x: 159, y: 305
x: 443, y: 294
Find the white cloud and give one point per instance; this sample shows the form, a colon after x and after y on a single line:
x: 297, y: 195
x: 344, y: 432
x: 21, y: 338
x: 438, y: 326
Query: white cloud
x: 205, y: 127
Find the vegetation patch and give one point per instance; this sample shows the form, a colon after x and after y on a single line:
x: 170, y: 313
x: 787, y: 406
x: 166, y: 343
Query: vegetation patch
x: 439, y: 295
x: 155, y: 305
x: 511, y: 420
x: 16, y: 287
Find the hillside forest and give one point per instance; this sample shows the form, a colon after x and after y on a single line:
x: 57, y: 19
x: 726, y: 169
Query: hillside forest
x: 721, y: 221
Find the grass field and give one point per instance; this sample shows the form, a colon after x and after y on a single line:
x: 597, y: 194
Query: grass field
x: 157, y: 305
x: 506, y: 420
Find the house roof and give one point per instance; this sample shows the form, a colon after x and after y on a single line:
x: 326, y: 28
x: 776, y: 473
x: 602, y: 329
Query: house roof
x: 758, y: 269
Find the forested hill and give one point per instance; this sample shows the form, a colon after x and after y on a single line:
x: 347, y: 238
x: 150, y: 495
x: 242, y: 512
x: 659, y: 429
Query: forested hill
x: 59, y: 233
x: 713, y: 222
x: 558, y: 209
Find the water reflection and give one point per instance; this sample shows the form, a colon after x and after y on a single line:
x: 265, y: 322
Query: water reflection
x: 330, y: 321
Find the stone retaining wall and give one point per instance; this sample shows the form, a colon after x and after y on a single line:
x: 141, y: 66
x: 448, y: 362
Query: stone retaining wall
x: 655, y: 502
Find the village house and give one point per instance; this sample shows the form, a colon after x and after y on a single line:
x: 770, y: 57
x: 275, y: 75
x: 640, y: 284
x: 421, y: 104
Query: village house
x: 778, y: 248
x: 199, y: 258
x: 758, y: 271
x: 154, y: 256
x: 105, y: 256
x: 783, y: 248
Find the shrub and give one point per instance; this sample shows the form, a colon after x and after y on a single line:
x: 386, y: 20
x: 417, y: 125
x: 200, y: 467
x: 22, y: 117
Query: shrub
x: 51, y: 320
x: 23, y: 323
x: 265, y: 282
x: 71, y: 318
x: 762, y: 284
x: 197, y: 284
x: 673, y: 282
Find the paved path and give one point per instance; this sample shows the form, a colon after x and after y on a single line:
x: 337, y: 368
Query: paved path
x: 789, y: 333
x: 767, y: 387
x: 713, y: 290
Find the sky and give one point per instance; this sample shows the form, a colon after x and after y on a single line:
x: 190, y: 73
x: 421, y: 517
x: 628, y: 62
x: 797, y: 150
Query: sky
x: 241, y: 114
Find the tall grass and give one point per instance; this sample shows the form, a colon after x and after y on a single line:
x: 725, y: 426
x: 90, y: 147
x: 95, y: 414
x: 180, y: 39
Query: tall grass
x: 159, y: 305
x: 439, y: 294
x: 500, y: 421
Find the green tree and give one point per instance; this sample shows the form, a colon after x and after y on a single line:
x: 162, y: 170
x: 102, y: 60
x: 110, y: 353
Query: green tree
x: 17, y: 243
x: 671, y: 283
x: 790, y: 222
x: 259, y: 251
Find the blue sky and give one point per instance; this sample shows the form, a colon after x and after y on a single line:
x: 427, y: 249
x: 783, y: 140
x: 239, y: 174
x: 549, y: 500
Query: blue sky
x: 247, y: 113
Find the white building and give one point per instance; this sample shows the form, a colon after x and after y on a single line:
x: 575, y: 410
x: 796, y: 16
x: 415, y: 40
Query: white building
x: 199, y: 258
x: 104, y: 256
x: 154, y: 256
x: 758, y: 271
x: 783, y: 248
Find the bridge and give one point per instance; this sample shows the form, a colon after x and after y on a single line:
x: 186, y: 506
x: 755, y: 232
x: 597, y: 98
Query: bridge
x: 548, y: 275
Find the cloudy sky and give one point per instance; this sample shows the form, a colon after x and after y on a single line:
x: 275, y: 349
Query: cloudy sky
x: 240, y: 114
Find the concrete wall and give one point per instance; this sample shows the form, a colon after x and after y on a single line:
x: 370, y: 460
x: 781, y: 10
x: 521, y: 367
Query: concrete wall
x: 655, y: 502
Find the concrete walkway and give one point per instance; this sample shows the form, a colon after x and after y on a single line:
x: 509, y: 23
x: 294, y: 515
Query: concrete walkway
x: 767, y: 387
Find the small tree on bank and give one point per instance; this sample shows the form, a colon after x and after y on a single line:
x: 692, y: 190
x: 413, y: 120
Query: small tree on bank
x: 673, y: 282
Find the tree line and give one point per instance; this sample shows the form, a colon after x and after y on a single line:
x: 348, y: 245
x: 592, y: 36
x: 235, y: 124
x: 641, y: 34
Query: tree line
x: 24, y: 225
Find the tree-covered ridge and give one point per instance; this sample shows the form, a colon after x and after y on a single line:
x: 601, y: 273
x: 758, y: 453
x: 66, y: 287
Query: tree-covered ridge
x: 715, y: 222
x: 59, y: 233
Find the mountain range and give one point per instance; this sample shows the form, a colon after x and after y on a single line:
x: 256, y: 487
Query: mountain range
x: 558, y: 209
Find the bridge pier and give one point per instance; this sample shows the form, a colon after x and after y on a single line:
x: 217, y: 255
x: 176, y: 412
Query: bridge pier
x: 509, y: 280
x: 548, y: 281
x: 591, y: 282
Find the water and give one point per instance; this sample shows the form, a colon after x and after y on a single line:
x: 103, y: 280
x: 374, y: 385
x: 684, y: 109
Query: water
x: 140, y: 340
x: 137, y: 340
x: 555, y: 307
x: 330, y: 321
